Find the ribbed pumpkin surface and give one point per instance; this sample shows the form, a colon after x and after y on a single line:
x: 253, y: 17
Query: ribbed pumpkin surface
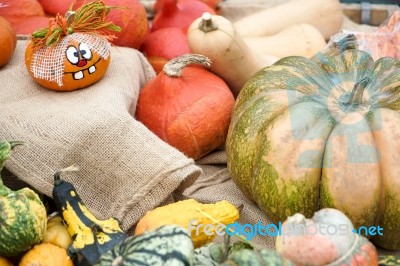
x: 323, y: 130
x: 23, y: 218
x: 22, y: 221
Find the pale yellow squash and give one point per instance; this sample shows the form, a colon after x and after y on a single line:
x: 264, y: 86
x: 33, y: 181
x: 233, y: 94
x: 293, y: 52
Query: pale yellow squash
x: 325, y: 15
x: 298, y: 39
x: 232, y: 60
x: 57, y: 233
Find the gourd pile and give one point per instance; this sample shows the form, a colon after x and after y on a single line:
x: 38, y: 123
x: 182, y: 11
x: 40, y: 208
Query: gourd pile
x: 309, y: 125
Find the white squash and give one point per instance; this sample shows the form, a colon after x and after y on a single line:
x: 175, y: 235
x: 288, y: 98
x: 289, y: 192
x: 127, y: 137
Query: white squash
x: 325, y: 15
x: 215, y: 37
x: 298, y: 39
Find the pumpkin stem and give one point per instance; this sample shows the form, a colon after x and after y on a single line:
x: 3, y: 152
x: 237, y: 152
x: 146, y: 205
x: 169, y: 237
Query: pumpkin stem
x: 175, y: 66
x: 356, y: 95
x: 206, y: 24
x: 57, y: 175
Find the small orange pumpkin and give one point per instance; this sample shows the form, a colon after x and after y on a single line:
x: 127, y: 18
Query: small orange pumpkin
x: 46, y: 254
x: 79, y: 61
x: 75, y: 58
x: 5, y: 262
x: 8, y: 41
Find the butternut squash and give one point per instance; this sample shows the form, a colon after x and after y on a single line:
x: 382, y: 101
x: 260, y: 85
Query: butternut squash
x: 215, y: 37
x: 325, y: 15
x: 298, y: 39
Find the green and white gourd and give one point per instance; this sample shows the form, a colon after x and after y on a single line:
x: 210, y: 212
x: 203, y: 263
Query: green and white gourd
x: 169, y: 245
x: 23, y: 217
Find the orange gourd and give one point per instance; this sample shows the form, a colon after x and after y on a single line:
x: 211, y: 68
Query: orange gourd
x: 163, y: 45
x: 187, y: 106
x: 20, y: 8
x: 8, y: 41
x: 179, y: 13
x: 25, y: 26
x: 5, y: 262
x: 132, y: 19
x: 46, y: 254
x: 130, y: 15
x: 214, y: 4
x: 72, y: 53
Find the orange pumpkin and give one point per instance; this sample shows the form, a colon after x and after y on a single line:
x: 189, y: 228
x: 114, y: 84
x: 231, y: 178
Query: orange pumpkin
x: 25, y: 26
x: 78, y: 61
x: 20, y: 8
x: 5, y: 262
x: 187, y: 106
x: 71, y: 53
x: 8, y: 41
x: 132, y: 18
x: 46, y: 254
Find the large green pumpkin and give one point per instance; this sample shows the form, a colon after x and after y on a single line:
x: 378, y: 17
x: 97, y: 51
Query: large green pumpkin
x: 23, y: 217
x: 322, y: 132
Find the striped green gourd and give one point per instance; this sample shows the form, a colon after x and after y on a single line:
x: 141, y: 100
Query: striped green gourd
x: 322, y: 132
x: 23, y: 217
x: 169, y: 245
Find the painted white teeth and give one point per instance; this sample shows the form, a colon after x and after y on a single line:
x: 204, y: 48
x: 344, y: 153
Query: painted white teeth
x: 92, y: 69
x: 78, y: 75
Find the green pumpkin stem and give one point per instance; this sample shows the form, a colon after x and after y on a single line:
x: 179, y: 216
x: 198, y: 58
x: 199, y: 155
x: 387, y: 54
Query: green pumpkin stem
x: 57, y: 175
x: 358, y: 92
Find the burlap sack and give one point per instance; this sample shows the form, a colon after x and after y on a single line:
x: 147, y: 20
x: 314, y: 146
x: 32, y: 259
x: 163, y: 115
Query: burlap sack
x: 125, y: 170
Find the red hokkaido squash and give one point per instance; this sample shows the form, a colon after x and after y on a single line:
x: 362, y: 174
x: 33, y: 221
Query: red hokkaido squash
x: 52, y: 7
x: 179, y: 13
x: 163, y: 45
x: 132, y: 18
x: 8, y: 41
x: 26, y: 26
x: 21, y: 8
x: 133, y: 22
x: 187, y: 106
x: 211, y: 3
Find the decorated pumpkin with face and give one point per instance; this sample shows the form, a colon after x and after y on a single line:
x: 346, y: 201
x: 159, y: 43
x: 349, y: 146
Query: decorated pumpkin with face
x: 76, y: 62
x: 73, y: 52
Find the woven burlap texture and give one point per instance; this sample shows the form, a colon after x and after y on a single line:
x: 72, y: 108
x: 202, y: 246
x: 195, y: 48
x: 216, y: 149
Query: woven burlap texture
x: 125, y: 170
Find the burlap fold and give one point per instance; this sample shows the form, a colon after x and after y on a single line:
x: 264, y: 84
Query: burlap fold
x: 125, y: 170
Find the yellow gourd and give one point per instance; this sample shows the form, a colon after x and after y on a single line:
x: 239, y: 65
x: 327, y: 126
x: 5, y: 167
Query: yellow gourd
x: 298, y: 39
x: 198, y: 218
x: 46, y: 254
x: 325, y: 15
x: 56, y: 233
x: 232, y: 60
x: 5, y: 262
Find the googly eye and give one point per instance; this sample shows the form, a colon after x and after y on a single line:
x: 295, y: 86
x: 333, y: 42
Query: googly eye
x: 85, y: 51
x: 72, y: 55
